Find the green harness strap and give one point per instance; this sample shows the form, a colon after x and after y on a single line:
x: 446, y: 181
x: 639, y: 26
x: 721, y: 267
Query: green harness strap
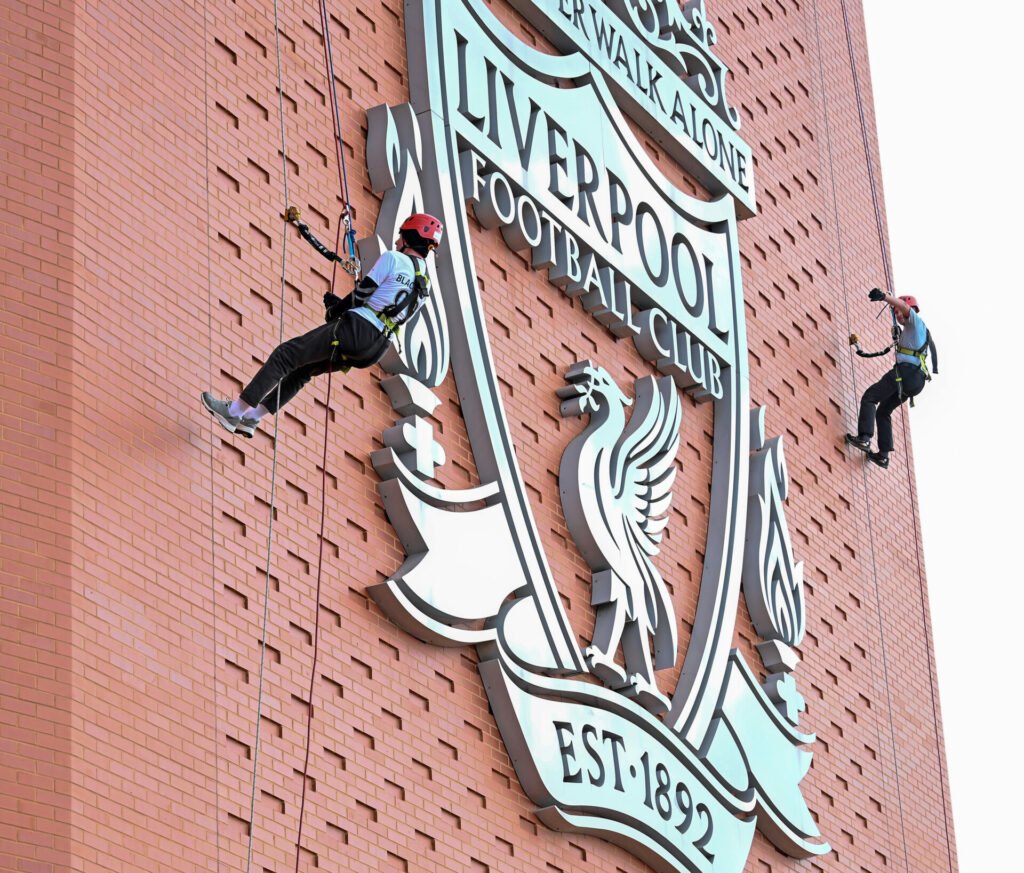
x: 921, y: 354
x: 387, y: 321
x: 395, y: 315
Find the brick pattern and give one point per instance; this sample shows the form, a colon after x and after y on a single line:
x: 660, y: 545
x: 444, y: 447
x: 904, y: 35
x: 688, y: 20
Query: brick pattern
x: 172, y: 261
x: 36, y: 269
x: 809, y: 258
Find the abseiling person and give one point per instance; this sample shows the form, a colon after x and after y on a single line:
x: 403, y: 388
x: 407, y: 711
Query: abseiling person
x: 904, y: 381
x: 357, y: 332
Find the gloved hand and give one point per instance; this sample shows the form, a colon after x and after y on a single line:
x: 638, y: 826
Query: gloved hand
x: 876, y: 295
x: 336, y: 306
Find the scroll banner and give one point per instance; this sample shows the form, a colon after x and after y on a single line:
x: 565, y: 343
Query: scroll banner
x: 596, y: 764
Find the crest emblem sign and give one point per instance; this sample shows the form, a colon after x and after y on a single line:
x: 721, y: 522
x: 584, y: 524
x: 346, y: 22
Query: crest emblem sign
x: 493, y: 128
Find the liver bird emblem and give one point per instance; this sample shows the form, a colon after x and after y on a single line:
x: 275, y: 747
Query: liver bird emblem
x: 615, y: 480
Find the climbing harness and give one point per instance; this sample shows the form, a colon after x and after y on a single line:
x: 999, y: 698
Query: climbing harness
x: 928, y: 346
x: 398, y: 313
x: 392, y: 316
x: 922, y: 353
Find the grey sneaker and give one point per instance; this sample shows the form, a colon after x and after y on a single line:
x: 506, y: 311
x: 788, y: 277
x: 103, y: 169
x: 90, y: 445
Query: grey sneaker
x: 220, y: 409
x: 247, y: 426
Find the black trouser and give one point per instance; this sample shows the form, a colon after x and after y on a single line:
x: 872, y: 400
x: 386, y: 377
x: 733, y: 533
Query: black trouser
x: 293, y: 363
x: 885, y: 395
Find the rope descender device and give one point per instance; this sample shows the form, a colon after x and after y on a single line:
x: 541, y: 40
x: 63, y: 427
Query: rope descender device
x: 349, y: 265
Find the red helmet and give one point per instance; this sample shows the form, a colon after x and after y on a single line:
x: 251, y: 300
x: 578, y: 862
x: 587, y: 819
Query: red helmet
x: 911, y: 302
x: 426, y: 226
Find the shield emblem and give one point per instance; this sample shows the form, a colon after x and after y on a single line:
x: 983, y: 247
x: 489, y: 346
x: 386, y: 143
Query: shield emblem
x: 535, y: 147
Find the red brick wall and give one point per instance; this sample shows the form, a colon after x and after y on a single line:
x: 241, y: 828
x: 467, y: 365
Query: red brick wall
x: 146, y: 177
x: 36, y: 467
x: 879, y: 772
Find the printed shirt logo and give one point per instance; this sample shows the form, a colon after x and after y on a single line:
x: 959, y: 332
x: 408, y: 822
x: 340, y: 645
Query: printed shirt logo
x: 681, y: 780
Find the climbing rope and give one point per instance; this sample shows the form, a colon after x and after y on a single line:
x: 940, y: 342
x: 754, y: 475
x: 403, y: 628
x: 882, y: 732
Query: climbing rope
x: 889, y: 278
x: 339, y: 144
x: 352, y: 265
x: 316, y: 623
x: 346, y: 221
x: 879, y: 221
x: 273, y: 473
x: 853, y: 370
x: 906, y: 444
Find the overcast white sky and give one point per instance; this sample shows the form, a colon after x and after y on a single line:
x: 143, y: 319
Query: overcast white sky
x: 947, y: 86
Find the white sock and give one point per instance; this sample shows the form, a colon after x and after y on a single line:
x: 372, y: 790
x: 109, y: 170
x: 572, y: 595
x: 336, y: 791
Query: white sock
x: 256, y: 413
x: 239, y: 408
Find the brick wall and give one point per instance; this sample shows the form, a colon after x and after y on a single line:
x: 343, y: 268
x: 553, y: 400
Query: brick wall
x: 36, y: 468
x: 146, y: 177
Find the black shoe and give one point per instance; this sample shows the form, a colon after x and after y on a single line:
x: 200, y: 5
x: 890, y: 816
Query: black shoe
x: 879, y: 458
x: 858, y: 442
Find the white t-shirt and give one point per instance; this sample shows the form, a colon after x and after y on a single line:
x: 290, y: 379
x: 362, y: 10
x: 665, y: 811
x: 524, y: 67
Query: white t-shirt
x: 394, y: 273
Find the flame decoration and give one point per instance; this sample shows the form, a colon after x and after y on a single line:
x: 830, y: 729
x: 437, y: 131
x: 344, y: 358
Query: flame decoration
x: 394, y: 157
x: 773, y: 583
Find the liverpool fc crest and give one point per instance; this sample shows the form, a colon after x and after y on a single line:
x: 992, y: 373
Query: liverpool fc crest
x: 679, y: 776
